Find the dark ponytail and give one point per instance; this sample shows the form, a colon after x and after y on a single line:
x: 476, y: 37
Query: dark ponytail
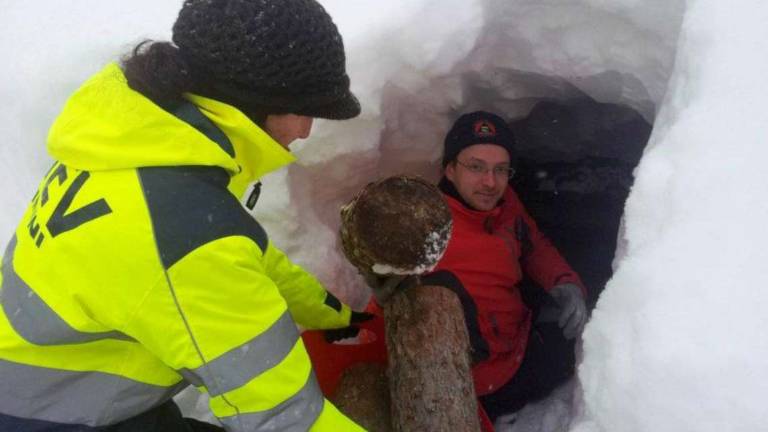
x: 158, y: 71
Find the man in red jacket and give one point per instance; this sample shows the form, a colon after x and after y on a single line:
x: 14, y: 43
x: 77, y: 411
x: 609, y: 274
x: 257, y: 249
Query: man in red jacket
x: 520, y: 351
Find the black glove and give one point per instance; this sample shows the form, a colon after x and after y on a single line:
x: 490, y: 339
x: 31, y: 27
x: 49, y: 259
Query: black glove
x: 384, y: 286
x: 573, y: 310
x: 334, y: 335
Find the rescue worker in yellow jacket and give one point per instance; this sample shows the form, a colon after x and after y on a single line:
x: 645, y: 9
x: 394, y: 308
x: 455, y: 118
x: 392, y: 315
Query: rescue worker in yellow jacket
x: 136, y: 271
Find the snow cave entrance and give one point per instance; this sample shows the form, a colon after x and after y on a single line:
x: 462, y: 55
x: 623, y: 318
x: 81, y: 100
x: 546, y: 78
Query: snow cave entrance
x: 576, y: 156
x: 580, y: 86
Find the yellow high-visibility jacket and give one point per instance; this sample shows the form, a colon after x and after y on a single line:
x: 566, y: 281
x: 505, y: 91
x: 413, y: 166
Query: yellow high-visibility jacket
x: 136, y: 272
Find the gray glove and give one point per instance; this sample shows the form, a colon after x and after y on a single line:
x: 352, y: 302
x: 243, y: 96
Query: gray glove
x: 573, y: 311
x: 384, y: 286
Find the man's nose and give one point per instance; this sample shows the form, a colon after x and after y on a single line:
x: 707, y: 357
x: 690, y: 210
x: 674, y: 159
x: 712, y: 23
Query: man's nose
x: 489, y: 179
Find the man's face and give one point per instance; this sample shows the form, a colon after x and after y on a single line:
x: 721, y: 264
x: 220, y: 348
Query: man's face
x: 287, y: 128
x: 480, y: 173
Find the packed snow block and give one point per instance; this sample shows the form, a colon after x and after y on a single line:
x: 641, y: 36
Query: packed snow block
x: 575, y: 170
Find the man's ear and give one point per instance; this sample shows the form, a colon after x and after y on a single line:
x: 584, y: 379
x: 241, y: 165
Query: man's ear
x: 450, y: 171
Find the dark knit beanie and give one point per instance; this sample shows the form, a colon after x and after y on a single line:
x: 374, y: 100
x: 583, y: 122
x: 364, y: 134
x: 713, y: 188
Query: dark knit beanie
x: 479, y: 127
x: 273, y: 56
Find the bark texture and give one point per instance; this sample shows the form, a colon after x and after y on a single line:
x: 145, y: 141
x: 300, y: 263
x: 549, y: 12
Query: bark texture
x: 363, y: 396
x: 430, y: 380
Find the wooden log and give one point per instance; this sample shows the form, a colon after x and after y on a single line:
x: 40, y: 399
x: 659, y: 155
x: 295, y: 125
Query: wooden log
x: 363, y: 396
x: 401, y: 226
x: 430, y: 377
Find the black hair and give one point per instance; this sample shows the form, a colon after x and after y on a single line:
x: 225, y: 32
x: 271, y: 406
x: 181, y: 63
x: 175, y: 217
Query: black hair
x: 158, y: 71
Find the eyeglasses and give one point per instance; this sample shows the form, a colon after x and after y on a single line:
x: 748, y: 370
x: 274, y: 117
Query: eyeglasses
x: 480, y: 169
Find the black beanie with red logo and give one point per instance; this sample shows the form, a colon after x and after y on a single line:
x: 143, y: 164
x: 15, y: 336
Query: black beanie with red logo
x: 478, y: 127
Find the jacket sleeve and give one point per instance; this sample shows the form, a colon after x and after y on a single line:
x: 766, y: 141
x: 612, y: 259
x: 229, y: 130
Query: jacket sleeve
x: 220, y: 321
x: 540, y: 259
x: 311, y: 305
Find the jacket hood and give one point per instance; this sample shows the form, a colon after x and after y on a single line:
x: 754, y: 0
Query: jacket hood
x: 105, y: 125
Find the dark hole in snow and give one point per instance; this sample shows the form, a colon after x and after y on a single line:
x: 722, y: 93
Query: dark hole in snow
x: 576, y: 159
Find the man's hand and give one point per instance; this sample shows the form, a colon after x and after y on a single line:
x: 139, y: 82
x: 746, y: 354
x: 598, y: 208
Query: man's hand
x: 334, y: 335
x: 573, y: 311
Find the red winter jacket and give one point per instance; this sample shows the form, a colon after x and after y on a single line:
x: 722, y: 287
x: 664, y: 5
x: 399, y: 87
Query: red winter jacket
x: 486, y: 255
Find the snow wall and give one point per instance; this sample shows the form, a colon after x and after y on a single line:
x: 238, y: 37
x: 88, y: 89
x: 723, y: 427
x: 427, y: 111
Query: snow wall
x: 673, y: 342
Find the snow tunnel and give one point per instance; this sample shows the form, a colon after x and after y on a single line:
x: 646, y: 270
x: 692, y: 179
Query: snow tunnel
x: 579, y: 84
x: 575, y: 160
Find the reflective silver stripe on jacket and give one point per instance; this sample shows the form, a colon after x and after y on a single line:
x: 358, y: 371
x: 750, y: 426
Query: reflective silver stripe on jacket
x: 32, y: 318
x: 84, y: 398
x: 244, y: 363
x: 296, y: 414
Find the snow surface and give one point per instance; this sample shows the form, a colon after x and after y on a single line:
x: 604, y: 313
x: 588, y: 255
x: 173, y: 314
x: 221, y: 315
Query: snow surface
x: 675, y: 343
